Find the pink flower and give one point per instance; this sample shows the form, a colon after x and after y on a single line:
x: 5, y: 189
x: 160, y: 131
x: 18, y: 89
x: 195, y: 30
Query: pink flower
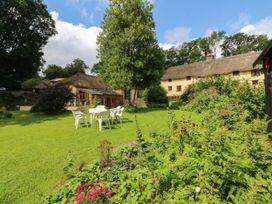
x: 109, y: 194
x: 100, y: 202
x: 103, y: 189
x: 93, y: 192
x: 79, y: 198
x: 91, y: 198
x: 96, y: 184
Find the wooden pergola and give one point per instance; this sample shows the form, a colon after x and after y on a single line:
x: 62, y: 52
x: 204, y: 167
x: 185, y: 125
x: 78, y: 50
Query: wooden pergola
x: 265, y: 59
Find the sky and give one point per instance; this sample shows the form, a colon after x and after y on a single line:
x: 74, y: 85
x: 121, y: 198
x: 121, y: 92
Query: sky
x: 78, y: 23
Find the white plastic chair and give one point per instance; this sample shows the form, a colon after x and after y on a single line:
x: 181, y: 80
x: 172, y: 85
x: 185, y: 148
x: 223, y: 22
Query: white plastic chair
x: 103, y: 116
x: 113, y: 114
x: 78, y: 115
x: 119, y: 114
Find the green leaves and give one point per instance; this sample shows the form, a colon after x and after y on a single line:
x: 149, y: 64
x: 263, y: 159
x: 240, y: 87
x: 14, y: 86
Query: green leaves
x: 25, y: 26
x: 127, y: 49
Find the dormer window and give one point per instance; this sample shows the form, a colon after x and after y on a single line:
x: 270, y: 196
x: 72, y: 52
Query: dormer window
x: 235, y: 73
x: 188, y: 78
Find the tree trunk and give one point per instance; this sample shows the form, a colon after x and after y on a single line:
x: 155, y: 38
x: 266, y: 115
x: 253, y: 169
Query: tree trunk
x: 135, y: 93
x: 127, y: 96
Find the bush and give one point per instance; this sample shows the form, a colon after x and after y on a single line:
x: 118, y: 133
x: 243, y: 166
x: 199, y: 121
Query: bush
x: 4, y: 113
x: 53, y: 100
x: 210, y: 93
x: 30, y: 83
x: 197, y: 163
x: 155, y: 95
x: 157, y: 105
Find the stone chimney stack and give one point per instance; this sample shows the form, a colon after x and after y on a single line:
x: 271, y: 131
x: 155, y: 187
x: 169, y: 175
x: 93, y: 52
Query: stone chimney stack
x: 209, y: 56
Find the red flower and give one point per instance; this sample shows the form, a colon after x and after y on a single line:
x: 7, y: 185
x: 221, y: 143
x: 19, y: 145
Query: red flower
x: 109, y: 194
x: 103, y: 189
x: 100, y: 202
x: 93, y: 192
x: 96, y: 184
x: 79, y: 198
x: 91, y: 198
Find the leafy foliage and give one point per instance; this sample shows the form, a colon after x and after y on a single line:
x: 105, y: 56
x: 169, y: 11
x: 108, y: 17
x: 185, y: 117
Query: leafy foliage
x: 129, y: 55
x: 53, y: 71
x: 4, y: 113
x: 77, y: 66
x: 53, y: 99
x: 25, y: 28
x: 215, y: 91
x: 242, y: 43
x: 155, y: 95
x: 30, y: 83
x: 226, y: 158
x: 105, y: 149
x: 198, y: 49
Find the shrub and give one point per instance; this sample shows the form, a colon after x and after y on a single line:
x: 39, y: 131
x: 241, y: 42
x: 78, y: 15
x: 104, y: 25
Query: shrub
x: 155, y: 95
x: 30, y: 83
x: 104, y: 149
x: 8, y: 115
x: 4, y: 113
x: 53, y: 99
x: 92, y: 193
x: 215, y: 91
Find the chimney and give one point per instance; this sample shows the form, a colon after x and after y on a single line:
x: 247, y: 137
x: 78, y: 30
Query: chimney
x: 209, y: 56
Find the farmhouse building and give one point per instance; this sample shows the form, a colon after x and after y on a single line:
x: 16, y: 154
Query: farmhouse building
x: 85, y: 88
x: 239, y: 67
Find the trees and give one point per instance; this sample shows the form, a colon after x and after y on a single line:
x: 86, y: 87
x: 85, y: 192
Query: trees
x: 53, y: 99
x: 77, y: 66
x: 25, y: 26
x: 195, y: 50
x: 53, y: 71
x: 129, y: 55
x: 242, y: 43
x: 30, y: 83
x: 198, y: 49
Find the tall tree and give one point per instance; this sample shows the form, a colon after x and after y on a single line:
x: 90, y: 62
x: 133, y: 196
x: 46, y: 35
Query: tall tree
x: 242, y: 43
x: 129, y: 55
x: 77, y: 66
x: 25, y: 26
x: 53, y: 71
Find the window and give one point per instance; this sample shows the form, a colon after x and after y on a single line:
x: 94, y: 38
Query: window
x: 169, y: 88
x: 255, y: 72
x: 169, y: 80
x: 179, y: 88
x: 255, y: 82
x: 188, y: 77
x: 236, y: 73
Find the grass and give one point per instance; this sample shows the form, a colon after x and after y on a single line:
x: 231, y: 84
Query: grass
x: 34, y: 148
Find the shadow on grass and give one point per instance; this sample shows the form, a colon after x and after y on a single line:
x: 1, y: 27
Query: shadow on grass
x: 146, y: 110
x: 25, y: 118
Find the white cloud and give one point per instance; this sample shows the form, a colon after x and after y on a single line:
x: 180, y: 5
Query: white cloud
x: 166, y: 46
x: 264, y: 26
x: 243, y: 20
x: 72, y: 41
x: 88, y: 16
x: 177, y: 35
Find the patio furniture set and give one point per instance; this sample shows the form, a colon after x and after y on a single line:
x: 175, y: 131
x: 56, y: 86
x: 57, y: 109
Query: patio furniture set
x: 99, y: 114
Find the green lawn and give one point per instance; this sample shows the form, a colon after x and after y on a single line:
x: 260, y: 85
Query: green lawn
x: 34, y: 148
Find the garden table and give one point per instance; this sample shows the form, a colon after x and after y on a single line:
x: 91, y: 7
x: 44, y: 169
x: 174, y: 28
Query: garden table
x: 93, y: 112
